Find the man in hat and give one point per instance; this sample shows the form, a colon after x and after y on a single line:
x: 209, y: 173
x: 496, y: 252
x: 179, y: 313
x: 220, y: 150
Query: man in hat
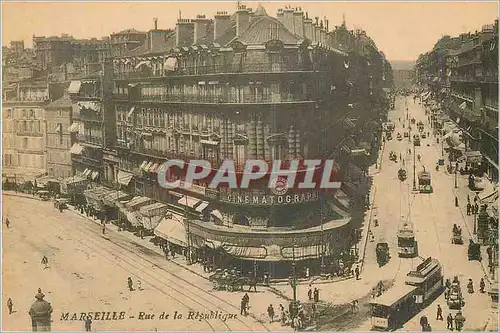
x: 316, y: 295
x: 7, y: 222
x: 10, y: 305
x: 270, y: 312
x: 88, y: 324
x: 449, y: 321
x: 459, y: 321
x: 356, y: 271
x: 309, y: 293
x: 469, y: 206
x: 439, y: 313
x: 130, y: 284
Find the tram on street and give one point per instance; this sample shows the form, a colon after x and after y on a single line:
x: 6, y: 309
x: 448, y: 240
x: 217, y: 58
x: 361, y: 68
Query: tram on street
x: 401, y: 302
x: 407, y: 245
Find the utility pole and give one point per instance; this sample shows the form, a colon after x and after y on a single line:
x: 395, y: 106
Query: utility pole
x: 456, y: 170
x: 188, y: 257
x: 414, y: 173
x: 323, y: 266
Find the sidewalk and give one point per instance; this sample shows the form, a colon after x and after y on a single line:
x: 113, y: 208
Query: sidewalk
x: 461, y: 193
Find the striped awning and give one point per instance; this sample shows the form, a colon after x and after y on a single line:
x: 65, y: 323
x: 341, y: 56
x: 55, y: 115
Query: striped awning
x: 124, y: 178
x: 188, y: 201
x: 202, y: 206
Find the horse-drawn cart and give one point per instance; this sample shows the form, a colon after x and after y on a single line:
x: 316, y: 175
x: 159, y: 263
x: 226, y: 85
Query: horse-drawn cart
x: 227, y: 280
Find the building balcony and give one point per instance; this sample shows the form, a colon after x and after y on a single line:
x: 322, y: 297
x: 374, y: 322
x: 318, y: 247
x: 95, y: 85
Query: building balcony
x: 82, y: 159
x: 218, y: 69
x: 94, y: 140
x: 463, y: 97
x: 30, y: 151
x: 251, y: 99
x: 121, y: 97
x: 31, y: 134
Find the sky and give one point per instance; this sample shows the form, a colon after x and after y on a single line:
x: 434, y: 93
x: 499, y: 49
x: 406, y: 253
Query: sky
x: 402, y: 30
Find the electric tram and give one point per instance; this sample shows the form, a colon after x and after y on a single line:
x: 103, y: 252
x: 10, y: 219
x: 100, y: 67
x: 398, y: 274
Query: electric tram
x: 407, y: 245
x: 397, y: 305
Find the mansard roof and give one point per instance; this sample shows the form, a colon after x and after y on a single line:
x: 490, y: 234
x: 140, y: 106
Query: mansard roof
x: 259, y: 32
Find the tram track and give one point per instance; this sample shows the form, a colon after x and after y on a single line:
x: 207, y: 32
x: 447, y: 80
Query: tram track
x: 130, y: 264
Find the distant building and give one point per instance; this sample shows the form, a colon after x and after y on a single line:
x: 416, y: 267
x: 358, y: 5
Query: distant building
x: 403, y: 78
x: 24, y: 128
x: 462, y: 74
x: 58, y: 116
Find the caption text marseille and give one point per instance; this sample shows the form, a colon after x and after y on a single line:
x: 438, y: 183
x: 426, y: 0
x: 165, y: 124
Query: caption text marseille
x: 253, y: 170
x: 122, y: 315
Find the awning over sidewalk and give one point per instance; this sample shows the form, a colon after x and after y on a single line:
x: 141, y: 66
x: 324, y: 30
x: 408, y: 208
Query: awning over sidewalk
x: 124, y: 178
x: 188, y: 201
x: 302, y: 252
x: 153, y: 209
x: 138, y: 202
x: 245, y: 252
x: 76, y: 149
x: 172, y: 229
x: 201, y: 206
x: 134, y: 218
x: 473, y: 156
x: 113, y: 197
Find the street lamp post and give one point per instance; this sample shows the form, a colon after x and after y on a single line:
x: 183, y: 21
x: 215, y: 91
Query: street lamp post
x: 188, y: 255
x: 414, y: 173
x: 293, y: 280
x: 323, y: 266
x: 475, y: 228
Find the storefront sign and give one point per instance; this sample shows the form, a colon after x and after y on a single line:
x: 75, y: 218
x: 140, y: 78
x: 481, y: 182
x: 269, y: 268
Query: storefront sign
x: 270, y: 199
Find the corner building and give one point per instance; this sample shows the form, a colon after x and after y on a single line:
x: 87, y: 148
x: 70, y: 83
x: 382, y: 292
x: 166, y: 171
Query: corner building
x: 238, y: 87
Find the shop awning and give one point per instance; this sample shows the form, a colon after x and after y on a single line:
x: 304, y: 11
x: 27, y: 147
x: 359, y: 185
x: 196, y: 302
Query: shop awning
x: 209, y: 142
x: 144, y: 163
x: 86, y: 172
x: 172, y: 229
x: 95, y: 174
x: 154, y: 209
x: 73, y: 180
x: 131, y: 111
x: 147, y: 166
x: 170, y: 63
x: 473, y: 156
x: 76, y: 149
x: 245, y: 252
x: 115, y: 196
x: 137, y: 202
x: 201, y: 206
x: 74, y: 87
x: 124, y: 178
x: 75, y: 127
x: 154, y: 167
x: 134, y: 219
x: 188, y: 201
x: 216, y: 214
x: 301, y: 252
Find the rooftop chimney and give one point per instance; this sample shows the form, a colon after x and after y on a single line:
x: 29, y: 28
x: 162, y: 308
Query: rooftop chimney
x: 201, y: 25
x: 288, y: 20
x: 222, y: 21
x: 155, y: 20
x: 242, y: 20
x: 184, y: 32
x: 308, y: 28
x: 298, y: 22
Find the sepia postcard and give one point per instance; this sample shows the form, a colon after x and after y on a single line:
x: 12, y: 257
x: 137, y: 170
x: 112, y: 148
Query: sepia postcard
x: 249, y: 166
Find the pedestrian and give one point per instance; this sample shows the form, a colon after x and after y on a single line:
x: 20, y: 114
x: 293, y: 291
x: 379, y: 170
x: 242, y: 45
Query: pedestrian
x: 45, y: 262
x: 482, y: 285
x: 309, y: 293
x: 88, y: 324
x: 424, y: 322
x: 103, y: 228
x: 439, y: 313
x: 316, y: 295
x: 449, y: 321
x: 468, y: 208
x: 468, y: 198
x: 354, y: 306
x: 243, y: 307
x: 456, y: 202
x: 10, y: 305
x: 7, y: 222
x: 476, y: 208
x: 130, y: 284
x: 270, y: 312
x: 356, y: 271
x: 139, y: 285
x: 307, y: 273
x: 459, y: 321
x: 141, y: 234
